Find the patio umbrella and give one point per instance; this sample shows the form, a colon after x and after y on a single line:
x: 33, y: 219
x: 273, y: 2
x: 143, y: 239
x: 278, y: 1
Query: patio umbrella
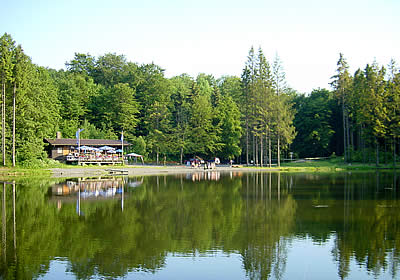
x: 133, y: 155
x: 85, y: 148
x: 106, y: 148
x: 136, y: 156
x: 118, y: 151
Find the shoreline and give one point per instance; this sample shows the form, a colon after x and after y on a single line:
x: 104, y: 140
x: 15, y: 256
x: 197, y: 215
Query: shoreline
x: 146, y: 170
x: 64, y: 171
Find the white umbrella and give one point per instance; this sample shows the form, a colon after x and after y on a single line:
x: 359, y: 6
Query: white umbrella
x: 85, y: 148
x: 133, y: 155
x: 106, y: 148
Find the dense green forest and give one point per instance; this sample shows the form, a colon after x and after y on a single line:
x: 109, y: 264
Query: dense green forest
x: 255, y: 118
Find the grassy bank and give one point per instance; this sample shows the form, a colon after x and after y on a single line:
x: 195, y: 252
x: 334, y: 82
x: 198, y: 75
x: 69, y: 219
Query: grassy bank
x: 334, y: 164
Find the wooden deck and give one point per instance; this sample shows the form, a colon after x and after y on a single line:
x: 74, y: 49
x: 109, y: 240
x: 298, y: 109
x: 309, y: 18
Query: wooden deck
x: 101, y: 160
x: 99, y: 163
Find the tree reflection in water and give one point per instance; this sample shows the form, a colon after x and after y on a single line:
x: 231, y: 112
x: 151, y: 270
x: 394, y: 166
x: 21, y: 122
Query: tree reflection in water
x: 256, y: 215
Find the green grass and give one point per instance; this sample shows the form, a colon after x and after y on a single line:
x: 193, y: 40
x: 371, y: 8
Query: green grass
x: 18, y: 172
x: 334, y: 164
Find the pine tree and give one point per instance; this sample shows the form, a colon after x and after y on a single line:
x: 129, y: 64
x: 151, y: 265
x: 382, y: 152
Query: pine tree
x: 342, y: 87
x: 249, y: 79
x: 279, y: 84
x: 393, y: 91
x: 7, y: 46
x: 264, y: 103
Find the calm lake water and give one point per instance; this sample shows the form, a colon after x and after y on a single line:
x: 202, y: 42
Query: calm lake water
x: 203, y: 226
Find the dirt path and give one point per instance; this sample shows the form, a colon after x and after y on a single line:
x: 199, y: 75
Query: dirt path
x: 140, y: 171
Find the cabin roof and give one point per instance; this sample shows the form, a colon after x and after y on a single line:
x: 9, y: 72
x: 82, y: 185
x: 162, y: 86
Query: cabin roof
x: 86, y: 142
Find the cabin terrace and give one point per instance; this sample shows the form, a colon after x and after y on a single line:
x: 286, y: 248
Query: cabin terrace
x: 68, y: 150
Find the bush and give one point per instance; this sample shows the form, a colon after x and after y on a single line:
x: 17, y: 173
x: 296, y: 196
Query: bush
x: 41, y: 163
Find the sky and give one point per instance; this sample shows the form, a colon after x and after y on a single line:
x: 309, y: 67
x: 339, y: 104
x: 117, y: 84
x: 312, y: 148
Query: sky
x: 210, y: 36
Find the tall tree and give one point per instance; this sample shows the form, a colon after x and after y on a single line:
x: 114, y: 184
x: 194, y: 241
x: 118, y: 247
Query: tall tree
x: 393, y: 89
x: 38, y: 114
x: 109, y: 69
x: 204, y: 138
x: 376, y: 110
x: 7, y: 46
x: 264, y: 100
x: 125, y: 108
x: 180, y: 111
x: 342, y: 86
x: 314, y: 123
x: 20, y: 71
x: 245, y: 104
x: 282, y: 124
x: 81, y: 64
x: 249, y: 78
x: 229, y: 121
x: 232, y: 86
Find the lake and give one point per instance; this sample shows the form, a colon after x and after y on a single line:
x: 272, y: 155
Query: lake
x: 206, y: 225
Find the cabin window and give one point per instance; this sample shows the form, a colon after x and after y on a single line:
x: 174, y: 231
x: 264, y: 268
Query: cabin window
x: 59, y: 150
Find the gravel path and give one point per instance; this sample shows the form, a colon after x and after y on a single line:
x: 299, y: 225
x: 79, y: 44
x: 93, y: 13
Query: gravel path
x: 145, y: 170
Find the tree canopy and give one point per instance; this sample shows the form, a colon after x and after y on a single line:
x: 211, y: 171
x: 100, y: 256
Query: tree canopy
x: 256, y: 118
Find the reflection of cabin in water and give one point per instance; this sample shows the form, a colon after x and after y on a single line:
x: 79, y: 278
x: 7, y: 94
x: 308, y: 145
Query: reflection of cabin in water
x: 96, y: 187
x: 60, y: 148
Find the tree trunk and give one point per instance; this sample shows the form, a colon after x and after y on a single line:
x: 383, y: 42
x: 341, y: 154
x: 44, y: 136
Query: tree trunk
x: 348, y: 144
x: 3, y: 122
x: 256, y: 151
x: 157, y: 155
x: 377, y: 152
x: 344, y: 132
x: 262, y: 154
x: 247, y: 141
x: 394, y: 152
x: 279, y: 152
x: 269, y: 148
x: 13, y: 128
x: 384, y: 155
x: 181, y: 155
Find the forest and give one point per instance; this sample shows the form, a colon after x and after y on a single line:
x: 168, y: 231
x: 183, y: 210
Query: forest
x: 252, y: 119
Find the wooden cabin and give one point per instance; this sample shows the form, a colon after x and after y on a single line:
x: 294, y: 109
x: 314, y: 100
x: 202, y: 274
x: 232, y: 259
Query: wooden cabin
x: 60, y: 148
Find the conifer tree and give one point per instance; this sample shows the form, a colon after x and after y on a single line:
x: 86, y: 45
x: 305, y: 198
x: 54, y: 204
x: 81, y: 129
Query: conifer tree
x: 342, y: 86
x: 7, y: 46
x: 280, y: 108
x: 393, y: 88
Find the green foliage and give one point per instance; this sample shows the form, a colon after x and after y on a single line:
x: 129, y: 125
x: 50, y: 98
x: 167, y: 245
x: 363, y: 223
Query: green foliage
x: 138, y: 145
x: 229, y: 121
x: 314, y: 120
x: 251, y: 117
x: 41, y: 163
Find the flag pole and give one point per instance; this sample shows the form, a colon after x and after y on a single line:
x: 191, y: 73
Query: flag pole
x: 122, y: 146
x: 77, y: 134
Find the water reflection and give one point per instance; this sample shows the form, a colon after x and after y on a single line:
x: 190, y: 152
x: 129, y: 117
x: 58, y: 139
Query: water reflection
x: 201, y: 176
x: 275, y: 222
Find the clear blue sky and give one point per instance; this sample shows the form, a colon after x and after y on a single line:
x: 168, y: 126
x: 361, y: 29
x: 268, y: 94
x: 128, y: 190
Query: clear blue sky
x: 210, y: 36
